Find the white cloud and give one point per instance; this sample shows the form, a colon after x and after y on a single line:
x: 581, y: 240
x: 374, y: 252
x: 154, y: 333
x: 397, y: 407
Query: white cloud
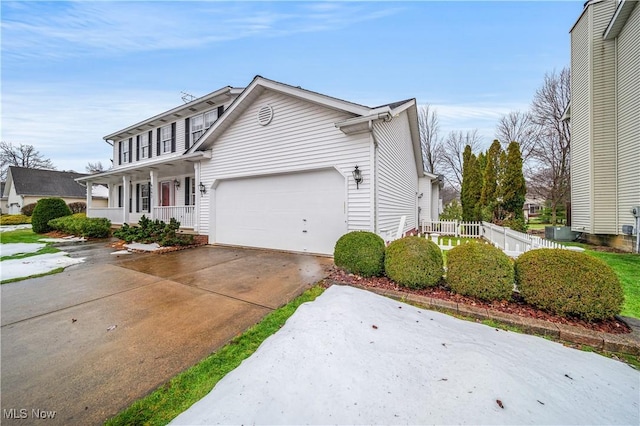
x: 96, y: 28
x: 68, y: 127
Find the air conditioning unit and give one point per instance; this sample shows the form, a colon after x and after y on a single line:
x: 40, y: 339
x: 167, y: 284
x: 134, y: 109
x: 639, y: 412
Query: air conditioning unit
x: 628, y: 229
x: 560, y: 233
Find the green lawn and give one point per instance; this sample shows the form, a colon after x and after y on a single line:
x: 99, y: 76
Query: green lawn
x: 175, y: 396
x: 627, y: 267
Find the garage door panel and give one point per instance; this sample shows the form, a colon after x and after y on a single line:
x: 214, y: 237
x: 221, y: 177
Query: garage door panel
x: 298, y: 212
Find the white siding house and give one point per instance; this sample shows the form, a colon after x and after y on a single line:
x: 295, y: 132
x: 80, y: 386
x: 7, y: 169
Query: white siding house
x: 605, y: 128
x: 276, y: 170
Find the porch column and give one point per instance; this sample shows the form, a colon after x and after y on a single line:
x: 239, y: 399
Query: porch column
x: 89, y: 196
x: 196, y: 219
x: 154, y: 199
x: 126, y: 183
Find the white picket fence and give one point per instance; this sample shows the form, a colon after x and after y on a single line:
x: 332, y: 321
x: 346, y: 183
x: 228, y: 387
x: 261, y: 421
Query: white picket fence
x: 513, y: 243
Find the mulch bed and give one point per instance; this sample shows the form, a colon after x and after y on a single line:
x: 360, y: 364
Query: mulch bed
x: 517, y: 306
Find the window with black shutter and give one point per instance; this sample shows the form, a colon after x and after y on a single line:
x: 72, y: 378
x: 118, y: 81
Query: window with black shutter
x: 173, y: 137
x: 130, y: 149
x: 186, y: 134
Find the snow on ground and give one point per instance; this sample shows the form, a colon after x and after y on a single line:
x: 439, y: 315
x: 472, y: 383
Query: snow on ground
x: 143, y: 247
x: 353, y: 357
x: 19, y: 248
x: 33, y: 265
x: 69, y: 239
x: 8, y: 228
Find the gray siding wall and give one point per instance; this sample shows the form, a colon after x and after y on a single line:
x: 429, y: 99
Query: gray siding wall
x: 301, y: 136
x: 629, y: 118
x: 581, y: 188
x: 397, y: 182
x: 603, y: 90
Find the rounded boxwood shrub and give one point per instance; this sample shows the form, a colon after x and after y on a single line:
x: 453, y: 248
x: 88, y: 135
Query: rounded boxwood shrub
x: 47, y: 209
x: 569, y: 283
x: 414, y: 262
x: 360, y: 252
x: 480, y: 270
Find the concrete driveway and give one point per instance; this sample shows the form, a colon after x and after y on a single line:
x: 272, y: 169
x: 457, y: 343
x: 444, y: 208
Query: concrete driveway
x: 89, y: 341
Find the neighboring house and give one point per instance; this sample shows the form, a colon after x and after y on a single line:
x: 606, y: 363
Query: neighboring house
x: 272, y: 166
x: 605, y: 120
x: 25, y: 186
x: 532, y: 208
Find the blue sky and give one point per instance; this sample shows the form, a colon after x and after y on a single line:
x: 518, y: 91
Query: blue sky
x: 73, y: 72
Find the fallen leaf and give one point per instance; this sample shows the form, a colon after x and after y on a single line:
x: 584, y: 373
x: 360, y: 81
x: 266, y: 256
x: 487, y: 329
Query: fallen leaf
x: 375, y: 327
x: 566, y: 375
x: 540, y: 401
x: 499, y: 403
x: 73, y: 320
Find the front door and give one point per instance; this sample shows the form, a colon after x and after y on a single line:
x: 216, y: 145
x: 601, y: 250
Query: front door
x: 165, y: 194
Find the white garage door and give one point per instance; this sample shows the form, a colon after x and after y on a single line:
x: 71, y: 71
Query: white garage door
x: 298, y: 212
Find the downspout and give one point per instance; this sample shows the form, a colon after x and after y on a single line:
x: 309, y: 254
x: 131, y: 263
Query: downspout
x: 374, y: 172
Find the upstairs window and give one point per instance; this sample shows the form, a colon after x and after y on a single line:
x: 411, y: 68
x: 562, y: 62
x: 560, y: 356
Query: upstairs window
x: 197, y: 127
x: 124, y: 152
x: 144, y: 145
x: 165, y: 139
x: 200, y: 124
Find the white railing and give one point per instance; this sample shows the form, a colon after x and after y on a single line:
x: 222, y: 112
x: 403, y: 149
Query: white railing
x: 453, y: 227
x: 511, y: 242
x: 186, y: 215
x: 114, y: 214
x: 514, y: 242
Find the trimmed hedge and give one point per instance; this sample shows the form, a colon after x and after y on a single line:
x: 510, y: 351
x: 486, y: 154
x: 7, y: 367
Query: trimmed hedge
x: 480, y: 270
x: 28, y: 209
x: 82, y: 226
x: 414, y: 262
x: 569, y: 283
x: 47, y: 209
x: 14, y: 219
x: 360, y: 252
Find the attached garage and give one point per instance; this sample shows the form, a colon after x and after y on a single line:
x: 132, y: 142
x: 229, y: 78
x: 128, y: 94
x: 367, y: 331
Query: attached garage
x: 303, y: 212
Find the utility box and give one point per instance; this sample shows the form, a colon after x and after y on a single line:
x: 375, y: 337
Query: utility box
x: 628, y: 229
x: 560, y: 233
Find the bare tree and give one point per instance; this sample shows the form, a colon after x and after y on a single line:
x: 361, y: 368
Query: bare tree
x: 450, y: 159
x: 21, y: 156
x: 93, y: 168
x: 518, y: 126
x: 430, y: 139
x: 552, y: 153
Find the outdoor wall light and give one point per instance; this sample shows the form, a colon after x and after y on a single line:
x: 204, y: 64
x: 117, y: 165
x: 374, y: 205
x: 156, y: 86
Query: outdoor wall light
x: 357, y: 176
x: 203, y: 189
x: 176, y: 183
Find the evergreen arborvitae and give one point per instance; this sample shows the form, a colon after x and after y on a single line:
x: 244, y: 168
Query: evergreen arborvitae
x: 471, y: 186
x: 513, y: 184
x: 489, y: 195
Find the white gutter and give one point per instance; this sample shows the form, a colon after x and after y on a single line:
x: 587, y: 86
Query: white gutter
x: 367, y: 118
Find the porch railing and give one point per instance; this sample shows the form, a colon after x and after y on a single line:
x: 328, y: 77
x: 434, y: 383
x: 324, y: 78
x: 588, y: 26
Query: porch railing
x: 186, y: 215
x: 114, y: 214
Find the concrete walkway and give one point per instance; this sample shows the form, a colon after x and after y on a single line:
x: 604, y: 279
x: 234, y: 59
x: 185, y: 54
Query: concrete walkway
x: 354, y: 357
x: 89, y: 341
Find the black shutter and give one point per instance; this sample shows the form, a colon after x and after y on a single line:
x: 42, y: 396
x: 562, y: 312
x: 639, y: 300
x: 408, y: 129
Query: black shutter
x: 138, y: 148
x: 120, y: 154
x: 187, y: 133
x: 220, y: 110
x: 137, y: 198
x: 119, y: 195
x: 150, y: 142
x: 173, y: 137
x: 130, y: 199
x: 158, y: 143
x: 130, y: 150
x: 187, y: 190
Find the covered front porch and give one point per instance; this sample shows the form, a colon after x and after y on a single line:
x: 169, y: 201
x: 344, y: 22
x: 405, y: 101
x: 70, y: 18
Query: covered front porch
x: 164, y: 189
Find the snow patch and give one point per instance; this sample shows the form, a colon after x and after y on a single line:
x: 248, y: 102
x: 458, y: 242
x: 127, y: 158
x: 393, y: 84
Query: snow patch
x: 19, y: 248
x: 40, y: 264
x: 143, y: 247
x: 9, y: 228
x: 69, y: 239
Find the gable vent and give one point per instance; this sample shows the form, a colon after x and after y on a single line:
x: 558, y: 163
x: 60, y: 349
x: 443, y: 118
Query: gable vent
x: 265, y: 115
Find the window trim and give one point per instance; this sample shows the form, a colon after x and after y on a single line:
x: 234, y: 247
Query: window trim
x: 165, y: 140
x: 203, y: 123
x: 124, y: 152
x: 144, y: 146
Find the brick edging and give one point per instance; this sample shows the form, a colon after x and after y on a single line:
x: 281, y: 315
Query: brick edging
x: 625, y: 343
